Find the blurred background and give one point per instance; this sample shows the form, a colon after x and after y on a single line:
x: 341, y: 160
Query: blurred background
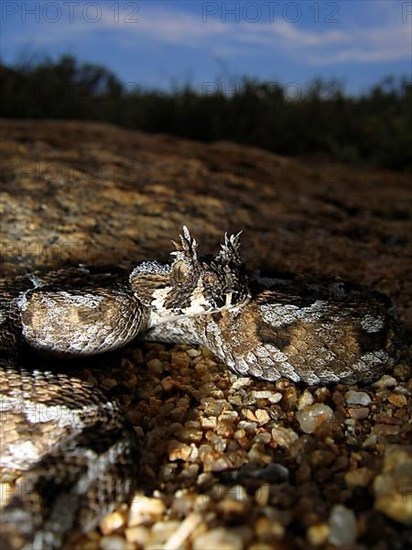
x: 295, y: 78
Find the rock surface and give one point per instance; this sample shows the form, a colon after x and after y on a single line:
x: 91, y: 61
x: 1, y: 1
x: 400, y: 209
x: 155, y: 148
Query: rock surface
x: 226, y: 461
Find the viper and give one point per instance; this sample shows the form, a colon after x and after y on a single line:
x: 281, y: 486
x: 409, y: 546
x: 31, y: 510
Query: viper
x: 77, y: 450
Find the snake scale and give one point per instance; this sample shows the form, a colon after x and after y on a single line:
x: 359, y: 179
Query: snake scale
x: 77, y: 450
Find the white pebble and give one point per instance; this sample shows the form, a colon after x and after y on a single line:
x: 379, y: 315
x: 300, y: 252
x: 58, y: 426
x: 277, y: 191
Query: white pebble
x: 284, y: 437
x: 342, y: 526
x: 305, y: 400
x: 144, y: 510
x: 272, y: 397
x: 111, y: 522
x: 313, y: 416
x: 385, y: 381
x: 241, y: 382
x: 357, y: 398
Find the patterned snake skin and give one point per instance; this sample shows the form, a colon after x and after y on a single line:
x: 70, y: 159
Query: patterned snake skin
x: 77, y: 449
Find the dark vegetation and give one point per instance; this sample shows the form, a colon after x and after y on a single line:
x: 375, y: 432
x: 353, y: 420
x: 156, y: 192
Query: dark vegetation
x: 372, y: 129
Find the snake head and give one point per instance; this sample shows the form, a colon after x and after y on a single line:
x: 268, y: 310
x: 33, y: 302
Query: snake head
x: 190, y: 285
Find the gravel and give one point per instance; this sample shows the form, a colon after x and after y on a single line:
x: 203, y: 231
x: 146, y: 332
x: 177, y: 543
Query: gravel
x: 229, y: 462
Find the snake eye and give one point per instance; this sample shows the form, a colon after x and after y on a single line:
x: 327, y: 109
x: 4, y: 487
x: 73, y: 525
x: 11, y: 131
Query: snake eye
x: 209, y: 279
x: 180, y: 271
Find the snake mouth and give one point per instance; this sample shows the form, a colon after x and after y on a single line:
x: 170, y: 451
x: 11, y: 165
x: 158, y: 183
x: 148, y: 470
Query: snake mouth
x: 229, y: 300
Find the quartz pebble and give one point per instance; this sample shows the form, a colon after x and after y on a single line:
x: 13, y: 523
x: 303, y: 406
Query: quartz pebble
x: 272, y: 397
x: 305, y: 400
x: 241, y: 382
x: 179, y: 451
x: 284, y: 437
x: 357, y: 398
x: 262, y: 416
x: 111, y: 522
x: 313, y: 416
x: 145, y: 509
x: 342, y: 526
x: 209, y: 422
x: 385, y: 381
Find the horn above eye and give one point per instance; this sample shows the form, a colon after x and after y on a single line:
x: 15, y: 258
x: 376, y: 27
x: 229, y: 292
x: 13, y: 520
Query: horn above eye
x: 230, y: 250
x: 187, y: 248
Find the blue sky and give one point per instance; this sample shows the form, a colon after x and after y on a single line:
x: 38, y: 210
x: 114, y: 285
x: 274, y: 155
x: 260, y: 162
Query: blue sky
x: 160, y: 43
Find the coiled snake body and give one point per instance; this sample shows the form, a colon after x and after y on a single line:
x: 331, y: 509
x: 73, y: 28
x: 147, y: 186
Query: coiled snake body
x: 77, y: 449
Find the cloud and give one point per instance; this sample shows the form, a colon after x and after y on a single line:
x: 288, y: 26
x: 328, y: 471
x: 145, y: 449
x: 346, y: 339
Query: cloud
x: 384, y: 44
x: 337, y: 45
x: 168, y: 26
x: 297, y: 37
x: 352, y: 45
